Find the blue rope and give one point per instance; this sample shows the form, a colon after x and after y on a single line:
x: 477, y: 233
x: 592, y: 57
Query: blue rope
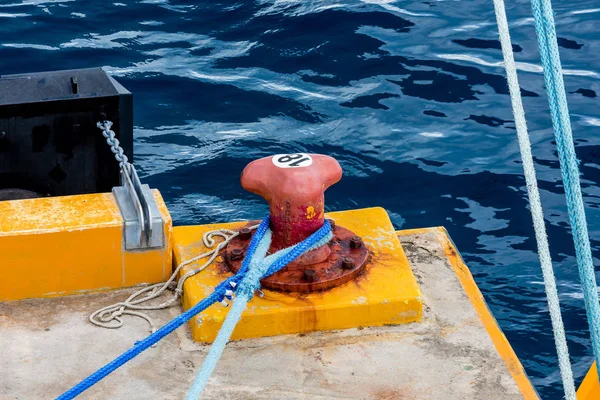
x: 555, y: 88
x: 175, y: 323
x: 260, y: 267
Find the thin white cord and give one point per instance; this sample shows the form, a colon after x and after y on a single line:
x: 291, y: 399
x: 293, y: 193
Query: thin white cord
x: 110, y: 316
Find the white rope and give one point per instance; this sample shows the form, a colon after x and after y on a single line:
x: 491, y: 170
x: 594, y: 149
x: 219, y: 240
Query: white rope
x: 534, y: 202
x: 110, y: 316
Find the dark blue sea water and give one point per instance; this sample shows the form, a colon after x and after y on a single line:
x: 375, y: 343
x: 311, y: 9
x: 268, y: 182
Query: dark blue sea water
x: 409, y: 96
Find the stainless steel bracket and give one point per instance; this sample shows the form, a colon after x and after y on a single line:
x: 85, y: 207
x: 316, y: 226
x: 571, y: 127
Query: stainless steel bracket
x: 143, y: 224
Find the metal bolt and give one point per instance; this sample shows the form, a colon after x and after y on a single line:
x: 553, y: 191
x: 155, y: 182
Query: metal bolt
x: 355, y: 242
x: 310, y: 275
x: 74, y: 85
x: 236, y: 254
x: 245, y: 233
x: 348, y: 263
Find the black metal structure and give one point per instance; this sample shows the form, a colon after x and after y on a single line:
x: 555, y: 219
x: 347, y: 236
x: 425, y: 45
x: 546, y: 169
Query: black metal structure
x: 49, y: 142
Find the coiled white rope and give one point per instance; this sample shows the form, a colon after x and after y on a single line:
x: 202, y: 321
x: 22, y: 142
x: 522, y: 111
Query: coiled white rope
x: 110, y: 316
x: 535, y: 203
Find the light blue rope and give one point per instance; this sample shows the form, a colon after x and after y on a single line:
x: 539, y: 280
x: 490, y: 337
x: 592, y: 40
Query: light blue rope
x: 555, y: 88
x: 239, y: 304
x: 260, y: 267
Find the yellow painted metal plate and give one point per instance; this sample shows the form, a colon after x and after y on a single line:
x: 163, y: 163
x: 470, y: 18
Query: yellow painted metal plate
x: 590, y: 387
x: 387, y: 293
x: 63, y: 245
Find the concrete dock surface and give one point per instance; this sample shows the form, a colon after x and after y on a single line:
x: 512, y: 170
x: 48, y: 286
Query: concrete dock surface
x: 48, y: 345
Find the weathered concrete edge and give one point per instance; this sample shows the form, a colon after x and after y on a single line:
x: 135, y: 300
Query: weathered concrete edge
x: 501, y: 343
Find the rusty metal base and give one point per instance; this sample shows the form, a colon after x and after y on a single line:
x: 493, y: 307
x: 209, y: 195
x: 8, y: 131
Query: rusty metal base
x: 347, y: 259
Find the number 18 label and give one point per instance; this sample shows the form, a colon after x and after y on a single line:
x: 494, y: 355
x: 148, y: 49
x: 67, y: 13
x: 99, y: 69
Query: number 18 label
x: 292, y: 160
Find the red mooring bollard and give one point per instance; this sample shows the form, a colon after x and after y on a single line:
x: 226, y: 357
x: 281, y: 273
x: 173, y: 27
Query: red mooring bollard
x: 294, y: 186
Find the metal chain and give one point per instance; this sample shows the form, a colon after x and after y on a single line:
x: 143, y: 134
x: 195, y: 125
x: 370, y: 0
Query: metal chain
x: 113, y: 142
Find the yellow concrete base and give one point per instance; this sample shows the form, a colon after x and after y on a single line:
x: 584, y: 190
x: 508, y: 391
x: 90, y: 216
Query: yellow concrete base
x: 590, y: 387
x: 63, y: 245
x: 387, y: 293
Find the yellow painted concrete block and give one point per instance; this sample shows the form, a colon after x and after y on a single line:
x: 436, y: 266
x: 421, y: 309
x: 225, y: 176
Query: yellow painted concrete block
x: 387, y: 293
x: 64, y: 245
